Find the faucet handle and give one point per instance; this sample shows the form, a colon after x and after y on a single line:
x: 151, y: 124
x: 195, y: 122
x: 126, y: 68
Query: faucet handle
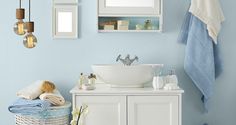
x: 118, y: 58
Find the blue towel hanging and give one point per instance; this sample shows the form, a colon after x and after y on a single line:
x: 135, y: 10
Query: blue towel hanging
x: 202, y: 62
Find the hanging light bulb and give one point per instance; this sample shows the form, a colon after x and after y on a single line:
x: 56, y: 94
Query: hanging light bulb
x: 19, y: 27
x: 30, y: 40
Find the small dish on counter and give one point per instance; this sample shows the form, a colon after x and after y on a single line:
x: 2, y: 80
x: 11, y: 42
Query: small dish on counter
x: 88, y: 86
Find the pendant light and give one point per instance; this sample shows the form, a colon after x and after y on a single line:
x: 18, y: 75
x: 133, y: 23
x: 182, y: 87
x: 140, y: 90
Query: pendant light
x: 30, y: 40
x: 19, y: 27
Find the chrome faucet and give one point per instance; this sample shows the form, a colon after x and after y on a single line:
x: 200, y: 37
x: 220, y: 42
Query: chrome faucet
x: 126, y: 61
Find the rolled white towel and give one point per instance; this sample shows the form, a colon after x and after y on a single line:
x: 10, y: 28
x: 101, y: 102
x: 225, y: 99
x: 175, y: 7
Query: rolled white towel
x: 32, y: 91
x: 54, y: 98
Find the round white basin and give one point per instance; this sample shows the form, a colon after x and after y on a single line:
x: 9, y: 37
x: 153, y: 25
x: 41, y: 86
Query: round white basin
x: 126, y: 76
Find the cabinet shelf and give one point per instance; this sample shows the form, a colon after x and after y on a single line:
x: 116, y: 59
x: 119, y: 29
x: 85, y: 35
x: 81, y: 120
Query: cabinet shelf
x: 129, y: 31
x: 120, y: 15
x: 131, y: 24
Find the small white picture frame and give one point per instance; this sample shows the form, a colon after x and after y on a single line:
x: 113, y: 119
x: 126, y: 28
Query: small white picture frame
x: 65, y: 21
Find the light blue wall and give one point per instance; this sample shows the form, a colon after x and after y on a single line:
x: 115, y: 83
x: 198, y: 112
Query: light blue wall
x: 63, y: 60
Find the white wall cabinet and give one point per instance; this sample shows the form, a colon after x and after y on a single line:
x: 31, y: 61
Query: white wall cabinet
x: 141, y: 106
x: 136, y: 12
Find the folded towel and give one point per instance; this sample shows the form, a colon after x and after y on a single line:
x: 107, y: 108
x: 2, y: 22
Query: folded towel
x: 54, y: 98
x: 202, y: 62
x: 209, y: 12
x: 28, y: 107
x: 32, y: 91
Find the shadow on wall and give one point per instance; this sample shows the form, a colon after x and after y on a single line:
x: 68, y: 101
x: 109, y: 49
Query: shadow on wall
x: 170, y: 15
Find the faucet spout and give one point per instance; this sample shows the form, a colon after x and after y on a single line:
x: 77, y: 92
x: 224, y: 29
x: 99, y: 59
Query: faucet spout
x: 126, y: 61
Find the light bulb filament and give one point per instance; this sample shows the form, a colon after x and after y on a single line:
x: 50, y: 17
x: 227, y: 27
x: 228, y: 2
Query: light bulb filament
x: 21, y: 29
x: 30, y: 42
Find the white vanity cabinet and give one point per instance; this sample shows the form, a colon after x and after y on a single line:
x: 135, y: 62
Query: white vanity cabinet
x: 129, y: 106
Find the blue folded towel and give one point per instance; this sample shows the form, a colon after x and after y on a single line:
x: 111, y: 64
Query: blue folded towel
x: 28, y: 107
x: 202, y: 62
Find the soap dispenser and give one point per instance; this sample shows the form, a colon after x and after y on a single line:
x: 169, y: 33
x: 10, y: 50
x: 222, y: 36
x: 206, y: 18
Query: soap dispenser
x: 171, y: 81
x: 172, y: 78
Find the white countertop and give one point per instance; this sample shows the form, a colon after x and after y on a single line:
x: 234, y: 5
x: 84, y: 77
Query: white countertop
x: 103, y: 89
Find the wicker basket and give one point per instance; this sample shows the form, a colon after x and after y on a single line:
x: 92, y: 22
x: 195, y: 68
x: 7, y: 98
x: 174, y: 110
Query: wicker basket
x: 53, y: 116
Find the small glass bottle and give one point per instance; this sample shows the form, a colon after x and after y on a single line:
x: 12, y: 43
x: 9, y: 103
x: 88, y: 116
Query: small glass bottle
x: 91, y: 79
x: 81, y: 80
x: 148, y: 25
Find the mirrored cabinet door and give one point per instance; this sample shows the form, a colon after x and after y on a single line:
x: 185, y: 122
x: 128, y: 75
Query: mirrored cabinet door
x: 129, y: 7
x: 65, y: 1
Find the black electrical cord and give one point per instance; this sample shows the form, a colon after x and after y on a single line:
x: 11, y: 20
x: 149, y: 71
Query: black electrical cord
x: 20, y: 4
x: 29, y: 9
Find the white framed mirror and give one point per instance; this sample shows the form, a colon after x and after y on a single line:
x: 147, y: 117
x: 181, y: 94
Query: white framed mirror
x: 129, y: 7
x: 65, y: 21
x: 129, y: 3
x: 65, y: 1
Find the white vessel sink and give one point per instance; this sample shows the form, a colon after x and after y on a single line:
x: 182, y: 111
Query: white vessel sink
x: 126, y: 76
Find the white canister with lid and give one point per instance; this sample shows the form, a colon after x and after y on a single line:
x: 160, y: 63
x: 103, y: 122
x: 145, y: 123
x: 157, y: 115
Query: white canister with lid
x: 157, y: 82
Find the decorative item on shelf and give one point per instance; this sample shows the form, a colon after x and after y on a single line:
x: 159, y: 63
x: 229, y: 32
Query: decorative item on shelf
x: 30, y: 40
x: 19, y: 26
x: 111, y: 22
x: 109, y: 27
x: 148, y: 25
x: 77, y: 113
x: 123, y: 25
x: 139, y: 27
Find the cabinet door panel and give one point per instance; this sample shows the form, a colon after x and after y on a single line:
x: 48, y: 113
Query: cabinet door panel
x: 129, y: 7
x: 153, y: 110
x: 103, y: 110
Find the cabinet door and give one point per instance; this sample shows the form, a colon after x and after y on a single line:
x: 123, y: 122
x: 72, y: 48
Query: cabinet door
x: 103, y: 110
x: 129, y: 7
x: 153, y: 110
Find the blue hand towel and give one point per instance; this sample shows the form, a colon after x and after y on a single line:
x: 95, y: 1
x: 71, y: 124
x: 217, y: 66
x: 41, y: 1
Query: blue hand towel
x: 202, y: 62
x: 28, y: 107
